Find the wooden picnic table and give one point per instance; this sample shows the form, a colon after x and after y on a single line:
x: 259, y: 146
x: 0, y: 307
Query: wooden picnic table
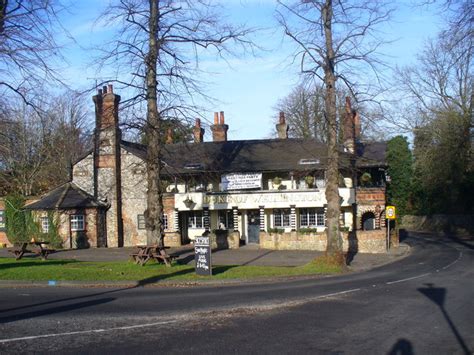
x: 41, y: 249
x: 146, y: 252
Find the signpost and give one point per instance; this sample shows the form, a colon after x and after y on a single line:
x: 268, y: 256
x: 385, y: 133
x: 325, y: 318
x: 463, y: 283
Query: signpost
x: 390, y: 213
x: 202, y: 255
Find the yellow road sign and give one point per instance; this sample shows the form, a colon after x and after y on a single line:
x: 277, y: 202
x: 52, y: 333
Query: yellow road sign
x: 390, y: 212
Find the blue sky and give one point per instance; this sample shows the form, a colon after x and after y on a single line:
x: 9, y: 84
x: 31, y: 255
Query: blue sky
x: 247, y: 88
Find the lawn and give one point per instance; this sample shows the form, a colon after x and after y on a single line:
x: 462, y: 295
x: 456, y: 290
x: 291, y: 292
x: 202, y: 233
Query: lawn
x: 71, y: 270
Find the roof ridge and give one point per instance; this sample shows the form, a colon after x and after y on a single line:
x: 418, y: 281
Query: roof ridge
x: 63, y: 195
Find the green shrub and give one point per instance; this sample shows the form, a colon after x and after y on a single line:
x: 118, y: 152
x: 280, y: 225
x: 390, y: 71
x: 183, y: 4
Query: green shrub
x: 307, y: 230
x: 15, y: 219
x: 275, y: 230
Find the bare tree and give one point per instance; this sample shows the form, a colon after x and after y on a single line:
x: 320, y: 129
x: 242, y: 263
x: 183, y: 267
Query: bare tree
x: 304, y: 112
x: 336, y: 42
x: 37, y: 149
x: 156, y: 53
x: 28, y: 46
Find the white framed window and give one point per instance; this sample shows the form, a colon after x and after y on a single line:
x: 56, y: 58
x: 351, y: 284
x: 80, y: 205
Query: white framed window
x: 225, y: 219
x: 281, y: 217
x: 77, y: 222
x: 312, y: 217
x: 141, y: 221
x: 44, y: 222
x: 195, y: 220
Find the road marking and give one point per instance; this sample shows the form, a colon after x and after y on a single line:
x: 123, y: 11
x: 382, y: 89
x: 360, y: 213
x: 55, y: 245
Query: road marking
x: 407, y: 279
x: 454, y: 262
x: 338, y: 293
x: 3, y: 341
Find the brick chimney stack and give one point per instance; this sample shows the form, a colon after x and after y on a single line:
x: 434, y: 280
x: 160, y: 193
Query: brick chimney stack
x: 219, y: 128
x: 107, y: 165
x: 169, y: 136
x: 282, y: 127
x: 198, y: 132
x: 351, y: 127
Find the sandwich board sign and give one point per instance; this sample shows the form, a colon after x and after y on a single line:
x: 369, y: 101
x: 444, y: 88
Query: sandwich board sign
x: 202, y: 255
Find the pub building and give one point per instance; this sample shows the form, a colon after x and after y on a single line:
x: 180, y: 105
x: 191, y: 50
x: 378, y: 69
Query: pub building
x: 268, y: 192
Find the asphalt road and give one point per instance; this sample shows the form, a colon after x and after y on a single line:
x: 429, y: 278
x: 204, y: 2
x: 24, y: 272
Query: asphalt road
x: 422, y: 304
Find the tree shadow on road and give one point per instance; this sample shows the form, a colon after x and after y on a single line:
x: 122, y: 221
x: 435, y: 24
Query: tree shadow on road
x: 401, y: 347
x: 54, y: 310
x: 438, y: 296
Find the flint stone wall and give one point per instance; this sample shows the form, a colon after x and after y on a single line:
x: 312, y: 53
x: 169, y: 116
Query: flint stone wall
x: 364, y: 241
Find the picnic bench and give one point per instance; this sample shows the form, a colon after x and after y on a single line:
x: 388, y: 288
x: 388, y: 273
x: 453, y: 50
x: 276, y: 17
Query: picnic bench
x: 146, y: 252
x: 42, y: 250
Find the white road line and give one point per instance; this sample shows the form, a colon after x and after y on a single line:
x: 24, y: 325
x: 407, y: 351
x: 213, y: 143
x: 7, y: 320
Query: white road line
x: 454, y: 262
x: 408, y: 279
x: 338, y: 293
x: 3, y: 341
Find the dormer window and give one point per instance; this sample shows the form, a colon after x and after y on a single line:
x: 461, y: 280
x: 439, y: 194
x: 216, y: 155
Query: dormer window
x: 311, y: 161
x: 194, y: 166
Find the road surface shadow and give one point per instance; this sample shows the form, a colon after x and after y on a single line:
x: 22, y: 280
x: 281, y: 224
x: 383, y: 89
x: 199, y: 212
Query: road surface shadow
x: 54, y: 310
x: 401, y: 347
x: 438, y: 296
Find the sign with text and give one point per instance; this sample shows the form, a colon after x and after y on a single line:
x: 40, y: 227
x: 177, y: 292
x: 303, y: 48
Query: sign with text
x: 202, y: 255
x: 241, y: 181
x: 2, y: 221
x: 390, y: 212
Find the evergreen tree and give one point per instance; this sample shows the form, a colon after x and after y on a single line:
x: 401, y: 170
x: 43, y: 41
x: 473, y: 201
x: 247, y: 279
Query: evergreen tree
x: 399, y: 159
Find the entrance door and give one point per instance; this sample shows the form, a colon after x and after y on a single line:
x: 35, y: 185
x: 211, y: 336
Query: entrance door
x: 253, y: 226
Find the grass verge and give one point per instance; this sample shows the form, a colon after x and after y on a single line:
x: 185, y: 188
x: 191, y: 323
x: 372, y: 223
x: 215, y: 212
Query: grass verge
x: 71, y: 270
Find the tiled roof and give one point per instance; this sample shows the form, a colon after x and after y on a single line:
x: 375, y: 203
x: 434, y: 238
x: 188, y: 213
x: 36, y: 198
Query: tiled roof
x: 256, y: 155
x: 66, y: 196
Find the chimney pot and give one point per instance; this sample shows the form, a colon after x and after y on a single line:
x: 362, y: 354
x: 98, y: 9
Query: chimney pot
x: 348, y: 104
x: 282, y: 117
x: 104, y: 89
x: 198, y: 132
x: 169, y: 136
x: 222, y: 121
x: 111, y: 89
x: 99, y: 91
x: 216, y: 117
x: 282, y: 127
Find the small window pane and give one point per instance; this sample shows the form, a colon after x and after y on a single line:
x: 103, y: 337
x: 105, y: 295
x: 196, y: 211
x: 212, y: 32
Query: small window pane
x: 281, y: 218
x: 141, y: 221
x: 225, y: 219
x: 77, y: 222
x: 195, y: 220
x: 44, y: 224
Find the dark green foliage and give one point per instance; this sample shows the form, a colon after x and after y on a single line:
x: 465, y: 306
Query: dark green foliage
x: 22, y: 226
x: 53, y: 235
x: 443, y: 176
x: 275, y: 230
x: 15, y: 219
x: 399, y: 159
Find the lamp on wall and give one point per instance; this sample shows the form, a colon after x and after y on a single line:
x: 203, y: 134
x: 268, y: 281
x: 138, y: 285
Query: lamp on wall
x: 188, y: 202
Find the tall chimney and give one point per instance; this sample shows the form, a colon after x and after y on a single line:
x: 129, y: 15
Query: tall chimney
x: 169, y: 136
x: 282, y: 127
x: 219, y: 128
x: 107, y: 166
x: 349, y: 133
x: 198, y: 132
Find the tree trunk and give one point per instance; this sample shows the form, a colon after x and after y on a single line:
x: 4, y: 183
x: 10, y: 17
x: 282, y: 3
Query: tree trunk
x: 334, y: 241
x: 154, y: 212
